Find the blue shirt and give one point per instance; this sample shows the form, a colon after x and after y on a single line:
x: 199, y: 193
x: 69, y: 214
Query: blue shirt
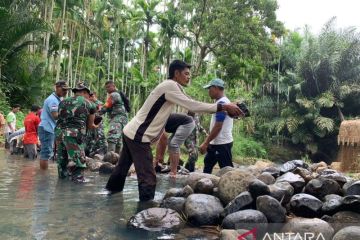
x: 51, y: 104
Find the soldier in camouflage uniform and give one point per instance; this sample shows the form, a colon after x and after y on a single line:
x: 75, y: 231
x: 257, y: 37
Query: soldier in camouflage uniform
x: 76, y: 115
x: 191, y: 143
x: 95, y: 137
x: 117, y: 113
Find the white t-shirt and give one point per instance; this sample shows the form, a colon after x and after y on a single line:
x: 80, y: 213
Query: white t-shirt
x: 10, y: 118
x: 225, y: 134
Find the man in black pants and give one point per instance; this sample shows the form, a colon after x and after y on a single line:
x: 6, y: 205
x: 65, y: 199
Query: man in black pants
x: 219, y: 142
x: 148, y: 125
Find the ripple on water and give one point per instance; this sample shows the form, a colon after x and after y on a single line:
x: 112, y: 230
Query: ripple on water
x: 35, y: 204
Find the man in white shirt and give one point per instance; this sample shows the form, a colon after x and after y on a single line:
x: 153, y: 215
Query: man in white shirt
x: 10, y: 126
x: 219, y: 142
x: 148, y: 124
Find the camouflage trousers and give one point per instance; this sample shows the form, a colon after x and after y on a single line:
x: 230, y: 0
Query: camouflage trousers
x: 114, y: 138
x: 190, y: 144
x: 70, y: 152
x: 95, y: 141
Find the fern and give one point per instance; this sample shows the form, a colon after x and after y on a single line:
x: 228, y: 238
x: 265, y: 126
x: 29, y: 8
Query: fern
x: 326, y: 99
x: 306, y: 103
x: 324, y: 123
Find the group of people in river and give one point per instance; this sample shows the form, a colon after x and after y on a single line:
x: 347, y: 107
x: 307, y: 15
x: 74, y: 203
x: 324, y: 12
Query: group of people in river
x: 71, y: 128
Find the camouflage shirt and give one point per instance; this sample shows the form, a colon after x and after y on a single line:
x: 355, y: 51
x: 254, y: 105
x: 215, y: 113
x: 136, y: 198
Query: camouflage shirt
x: 117, y: 105
x: 74, y: 111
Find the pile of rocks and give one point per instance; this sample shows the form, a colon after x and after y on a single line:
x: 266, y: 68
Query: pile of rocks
x: 103, y: 164
x: 295, y: 197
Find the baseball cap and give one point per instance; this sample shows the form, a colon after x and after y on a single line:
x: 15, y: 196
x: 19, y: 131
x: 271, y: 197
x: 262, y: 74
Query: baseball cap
x: 62, y: 84
x: 215, y: 82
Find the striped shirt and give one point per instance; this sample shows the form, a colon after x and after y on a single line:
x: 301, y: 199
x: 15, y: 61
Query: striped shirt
x: 150, y: 120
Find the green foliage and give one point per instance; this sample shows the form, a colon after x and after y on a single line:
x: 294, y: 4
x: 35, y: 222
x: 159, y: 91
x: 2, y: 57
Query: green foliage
x: 248, y: 147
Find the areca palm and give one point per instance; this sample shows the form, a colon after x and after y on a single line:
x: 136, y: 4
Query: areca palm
x: 15, y: 27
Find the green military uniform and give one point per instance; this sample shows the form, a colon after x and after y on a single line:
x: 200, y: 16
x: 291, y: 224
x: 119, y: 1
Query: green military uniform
x: 70, y: 133
x: 190, y: 144
x: 95, y: 138
x: 118, y: 119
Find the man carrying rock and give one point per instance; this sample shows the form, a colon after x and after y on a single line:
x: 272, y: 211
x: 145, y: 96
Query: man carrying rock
x: 76, y: 115
x: 148, y: 125
x: 48, y: 118
x: 219, y: 142
x: 117, y: 112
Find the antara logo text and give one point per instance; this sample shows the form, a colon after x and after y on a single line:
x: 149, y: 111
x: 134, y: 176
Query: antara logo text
x: 282, y: 236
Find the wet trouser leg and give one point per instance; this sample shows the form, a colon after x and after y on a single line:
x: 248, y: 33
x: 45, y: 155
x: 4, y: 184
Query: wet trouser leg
x: 140, y: 154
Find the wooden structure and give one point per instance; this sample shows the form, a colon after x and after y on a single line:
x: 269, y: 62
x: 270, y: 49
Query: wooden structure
x: 349, y: 141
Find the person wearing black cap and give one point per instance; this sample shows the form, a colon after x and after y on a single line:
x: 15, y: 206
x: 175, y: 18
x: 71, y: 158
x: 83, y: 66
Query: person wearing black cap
x: 48, y: 117
x: 148, y: 125
x: 76, y: 115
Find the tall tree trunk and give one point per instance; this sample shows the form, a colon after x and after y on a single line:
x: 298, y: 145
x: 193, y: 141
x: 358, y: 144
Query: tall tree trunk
x: 123, y: 65
x: 116, y: 51
x: 49, y: 16
x: 77, y: 58
x: 61, y: 41
x: 83, y: 56
x: 109, y: 57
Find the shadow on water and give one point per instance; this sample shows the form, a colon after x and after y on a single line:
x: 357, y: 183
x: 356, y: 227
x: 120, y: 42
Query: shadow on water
x: 34, y: 204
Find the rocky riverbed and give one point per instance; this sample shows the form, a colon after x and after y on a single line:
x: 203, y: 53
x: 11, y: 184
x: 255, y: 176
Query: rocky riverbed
x: 294, y: 197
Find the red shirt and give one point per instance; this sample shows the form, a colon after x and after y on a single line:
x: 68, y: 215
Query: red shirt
x: 31, y: 123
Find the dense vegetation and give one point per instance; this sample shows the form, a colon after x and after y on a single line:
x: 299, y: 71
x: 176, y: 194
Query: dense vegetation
x: 298, y: 86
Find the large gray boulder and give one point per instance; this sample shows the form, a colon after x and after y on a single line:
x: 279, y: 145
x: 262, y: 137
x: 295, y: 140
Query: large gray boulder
x: 318, y: 227
x: 305, y: 205
x: 203, y: 209
x: 282, y: 191
x: 271, y: 208
x: 258, y: 188
x: 205, y: 186
x: 179, y: 192
x: 332, y: 204
x: 343, y: 219
x: 245, y: 219
x: 111, y: 157
x: 106, y: 168
x: 175, y: 203
x: 296, y: 181
x: 231, y: 234
x: 194, y: 177
x: 320, y: 187
x: 233, y: 183
x: 242, y: 201
x: 267, y: 178
x: 224, y: 170
x: 353, y: 189
x: 347, y: 233
x: 292, y: 165
x: 156, y: 219
x: 351, y: 203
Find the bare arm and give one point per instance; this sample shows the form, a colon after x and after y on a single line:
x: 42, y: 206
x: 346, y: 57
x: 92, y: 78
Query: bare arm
x: 55, y: 115
x: 213, y: 134
x: 90, y: 121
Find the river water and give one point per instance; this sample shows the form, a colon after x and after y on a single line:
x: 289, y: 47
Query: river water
x: 35, y: 204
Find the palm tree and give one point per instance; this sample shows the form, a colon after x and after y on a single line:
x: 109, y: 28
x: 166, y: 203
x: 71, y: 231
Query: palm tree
x: 15, y: 28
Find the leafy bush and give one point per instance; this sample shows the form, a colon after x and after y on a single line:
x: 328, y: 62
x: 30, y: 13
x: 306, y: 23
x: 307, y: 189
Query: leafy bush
x: 248, y: 147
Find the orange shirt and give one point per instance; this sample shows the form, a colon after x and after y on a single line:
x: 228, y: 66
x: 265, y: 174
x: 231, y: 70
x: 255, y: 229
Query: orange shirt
x: 31, y: 123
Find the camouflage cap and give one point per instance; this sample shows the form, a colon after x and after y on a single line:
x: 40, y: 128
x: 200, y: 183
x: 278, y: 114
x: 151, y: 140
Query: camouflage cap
x: 81, y: 86
x: 62, y: 84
